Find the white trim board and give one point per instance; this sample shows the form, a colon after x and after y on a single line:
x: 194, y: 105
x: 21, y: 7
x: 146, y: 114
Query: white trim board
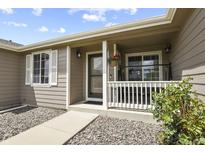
x: 68, y: 74
x: 86, y: 78
x: 159, y: 53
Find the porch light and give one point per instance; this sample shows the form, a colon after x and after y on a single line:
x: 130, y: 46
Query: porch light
x: 78, y: 53
x: 168, y: 48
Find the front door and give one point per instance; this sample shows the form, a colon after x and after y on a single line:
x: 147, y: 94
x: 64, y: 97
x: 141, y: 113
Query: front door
x: 95, y: 75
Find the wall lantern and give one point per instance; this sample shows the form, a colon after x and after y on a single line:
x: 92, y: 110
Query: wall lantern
x: 168, y: 48
x: 78, y: 53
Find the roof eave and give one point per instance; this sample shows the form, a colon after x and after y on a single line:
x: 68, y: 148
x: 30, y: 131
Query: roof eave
x: 9, y: 47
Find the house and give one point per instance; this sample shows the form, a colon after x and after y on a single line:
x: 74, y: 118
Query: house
x: 120, y: 66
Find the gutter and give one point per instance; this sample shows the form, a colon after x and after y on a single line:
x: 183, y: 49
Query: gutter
x: 154, y: 21
x: 8, y: 47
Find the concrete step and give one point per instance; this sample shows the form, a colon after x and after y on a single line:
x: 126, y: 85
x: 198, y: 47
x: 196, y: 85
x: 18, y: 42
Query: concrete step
x: 117, y: 113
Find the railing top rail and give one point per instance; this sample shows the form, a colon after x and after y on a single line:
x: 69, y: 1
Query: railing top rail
x: 146, y: 65
x: 142, y: 81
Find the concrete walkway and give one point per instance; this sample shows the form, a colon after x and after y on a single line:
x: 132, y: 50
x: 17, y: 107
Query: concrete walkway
x: 55, y: 131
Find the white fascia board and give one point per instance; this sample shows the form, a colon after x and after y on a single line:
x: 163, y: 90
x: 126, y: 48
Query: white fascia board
x: 8, y: 47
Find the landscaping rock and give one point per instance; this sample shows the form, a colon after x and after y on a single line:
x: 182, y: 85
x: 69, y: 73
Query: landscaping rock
x: 14, y: 122
x: 107, y: 130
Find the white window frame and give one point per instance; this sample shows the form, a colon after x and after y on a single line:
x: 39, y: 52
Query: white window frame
x: 148, y: 53
x: 41, y: 84
x: 51, y: 66
x: 28, y: 69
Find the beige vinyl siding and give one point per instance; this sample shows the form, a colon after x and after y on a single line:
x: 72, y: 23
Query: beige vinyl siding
x: 188, y: 54
x: 76, y: 89
x: 78, y: 74
x: 54, y: 96
x: 9, y: 79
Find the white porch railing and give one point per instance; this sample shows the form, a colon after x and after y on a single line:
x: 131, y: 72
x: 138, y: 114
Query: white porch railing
x: 134, y: 94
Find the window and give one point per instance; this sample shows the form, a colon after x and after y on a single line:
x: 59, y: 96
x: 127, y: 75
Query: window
x: 135, y: 71
x: 41, y: 68
x: 143, y: 67
x: 151, y: 72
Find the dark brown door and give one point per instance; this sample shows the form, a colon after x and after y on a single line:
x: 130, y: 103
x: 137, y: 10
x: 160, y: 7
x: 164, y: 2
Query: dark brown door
x: 95, y: 75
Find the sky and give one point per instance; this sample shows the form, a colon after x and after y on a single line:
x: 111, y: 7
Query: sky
x: 27, y: 26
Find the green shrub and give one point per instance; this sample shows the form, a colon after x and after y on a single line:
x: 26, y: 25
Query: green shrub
x: 182, y: 115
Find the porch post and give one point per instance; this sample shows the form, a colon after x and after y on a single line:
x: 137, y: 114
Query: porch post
x: 115, y: 68
x: 68, y: 73
x: 105, y: 71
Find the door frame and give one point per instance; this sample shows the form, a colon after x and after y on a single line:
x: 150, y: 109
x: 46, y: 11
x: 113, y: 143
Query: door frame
x: 86, y: 78
x: 159, y: 53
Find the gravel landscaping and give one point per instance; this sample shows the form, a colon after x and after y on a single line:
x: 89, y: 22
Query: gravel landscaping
x: 14, y: 122
x: 106, y: 130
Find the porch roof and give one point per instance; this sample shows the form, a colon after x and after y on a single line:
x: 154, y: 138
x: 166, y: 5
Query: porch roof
x: 167, y: 23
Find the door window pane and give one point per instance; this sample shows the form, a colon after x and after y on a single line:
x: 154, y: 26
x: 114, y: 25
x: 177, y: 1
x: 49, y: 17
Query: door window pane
x: 96, y: 65
x: 96, y: 84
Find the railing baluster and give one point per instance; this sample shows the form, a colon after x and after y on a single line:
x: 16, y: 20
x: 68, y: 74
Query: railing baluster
x: 160, y: 87
x: 113, y: 95
x: 145, y: 85
x: 125, y: 95
x: 141, y: 101
x: 137, y: 99
x: 109, y: 95
x: 133, y: 102
x: 128, y: 85
x: 165, y: 85
x: 155, y: 87
x: 150, y: 93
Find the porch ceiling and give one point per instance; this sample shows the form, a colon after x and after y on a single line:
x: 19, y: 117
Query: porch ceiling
x: 156, y: 39
x: 134, y: 40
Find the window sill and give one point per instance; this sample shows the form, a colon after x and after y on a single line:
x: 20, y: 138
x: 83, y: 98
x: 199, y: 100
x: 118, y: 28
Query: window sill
x: 41, y: 85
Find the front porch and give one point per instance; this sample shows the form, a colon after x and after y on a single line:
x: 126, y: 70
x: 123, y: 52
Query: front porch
x: 144, y: 67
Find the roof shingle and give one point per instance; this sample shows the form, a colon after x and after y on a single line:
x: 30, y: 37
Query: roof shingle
x: 10, y: 43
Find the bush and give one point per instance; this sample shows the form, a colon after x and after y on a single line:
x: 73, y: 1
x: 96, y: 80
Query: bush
x: 182, y: 115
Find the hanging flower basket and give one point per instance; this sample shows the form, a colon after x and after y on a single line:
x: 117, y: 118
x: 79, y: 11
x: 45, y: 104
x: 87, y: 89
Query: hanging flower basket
x: 114, y: 61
